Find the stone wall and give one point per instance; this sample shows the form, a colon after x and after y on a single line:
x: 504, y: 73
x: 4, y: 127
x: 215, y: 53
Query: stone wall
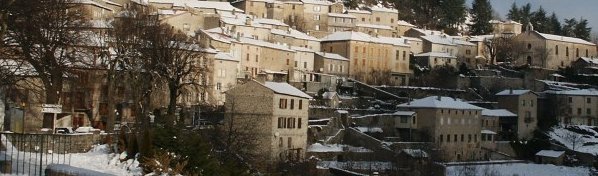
x: 381, y: 151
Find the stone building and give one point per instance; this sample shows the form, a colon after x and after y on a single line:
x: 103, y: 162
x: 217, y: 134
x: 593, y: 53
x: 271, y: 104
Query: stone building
x: 574, y: 107
x: 451, y: 124
x: 550, y: 51
x: 499, y: 121
x: 340, y: 22
x: 369, y: 54
x: 524, y: 103
x: 330, y: 63
x: 276, y: 113
x: 315, y: 17
x: 508, y: 27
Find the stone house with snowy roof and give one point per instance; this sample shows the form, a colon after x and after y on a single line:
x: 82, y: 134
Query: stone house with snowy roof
x: 453, y: 126
x: 315, y: 17
x: 500, y: 121
x: 550, y: 51
x: 573, y: 107
x: 225, y: 74
x: 586, y: 65
x: 340, y: 22
x: 276, y: 114
x: 303, y: 65
x: 550, y: 157
x: 369, y: 54
x: 524, y: 103
x: 331, y: 63
x: 508, y: 27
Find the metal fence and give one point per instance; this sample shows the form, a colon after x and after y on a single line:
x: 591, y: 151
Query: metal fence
x: 29, y: 154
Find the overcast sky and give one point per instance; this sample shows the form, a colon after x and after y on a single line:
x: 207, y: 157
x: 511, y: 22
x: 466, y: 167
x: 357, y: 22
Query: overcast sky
x: 588, y: 9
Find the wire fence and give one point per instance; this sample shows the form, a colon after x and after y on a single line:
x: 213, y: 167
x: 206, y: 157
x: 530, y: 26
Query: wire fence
x: 30, y: 154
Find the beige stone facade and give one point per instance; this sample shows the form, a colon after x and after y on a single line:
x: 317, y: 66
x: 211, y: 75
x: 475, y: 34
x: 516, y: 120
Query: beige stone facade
x: 452, y: 125
x: 524, y: 103
x: 367, y: 54
x: 277, y: 113
x: 330, y: 63
x: 575, y: 107
x: 550, y: 51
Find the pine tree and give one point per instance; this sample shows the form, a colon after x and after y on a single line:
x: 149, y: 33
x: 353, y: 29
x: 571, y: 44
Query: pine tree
x: 555, y: 25
x: 525, y: 14
x: 453, y: 13
x: 569, y: 27
x: 540, y: 21
x: 514, y: 13
x: 481, y: 11
x: 582, y: 30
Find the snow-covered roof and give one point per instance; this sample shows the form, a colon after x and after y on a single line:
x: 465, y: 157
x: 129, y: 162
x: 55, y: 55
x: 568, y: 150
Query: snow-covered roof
x: 286, y: 89
x: 487, y: 132
x: 404, y: 113
x: 550, y: 153
x: 265, y: 44
x: 589, y: 60
x: 375, y: 26
x: 369, y: 129
x: 302, y: 49
x: 428, y: 32
x: 318, y: 2
x: 439, y: 102
x: 435, y: 54
x: 269, y: 21
x: 100, y: 24
x: 439, y: 39
x: 512, y: 92
x: 329, y: 95
x: 294, y: 33
x: 341, y: 15
x: 360, y: 36
x: 266, y: 71
x: 564, y: 39
x: 415, y: 153
x: 384, y: 9
x: 457, y: 40
x: 498, y: 113
x: 317, y: 147
x: 359, y: 11
x: 223, y: 6
x: 216, y: 34
x: 332, y: 56
x: 225, y: 56
x: 90, y: 2
x: 405, y: 23
x: 582, y: 92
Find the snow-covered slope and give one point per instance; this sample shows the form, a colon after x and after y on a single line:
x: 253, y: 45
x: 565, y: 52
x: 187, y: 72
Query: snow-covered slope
x: 579, y: 138
x: 520, y: 169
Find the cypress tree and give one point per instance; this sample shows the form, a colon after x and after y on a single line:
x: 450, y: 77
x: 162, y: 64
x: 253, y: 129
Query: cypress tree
x: 514, y: 13
x: 582, y: 30
x: 481, y: 11
x: 540, y: 21
x: 555, y: 25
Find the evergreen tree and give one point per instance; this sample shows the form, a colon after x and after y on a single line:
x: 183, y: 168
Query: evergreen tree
x: 453, y: 13
x: 582, y: 30
x: 525, y: 14
x: 555, y: 25
x: 481, y: 11
x: 540, y: 21
x: 569, y: 27
x: 514, y: 13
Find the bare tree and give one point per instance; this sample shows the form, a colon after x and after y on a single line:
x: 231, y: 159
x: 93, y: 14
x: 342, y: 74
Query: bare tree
x: 498, y: 47
x: 43, y: 33
x: 178, y: 61
x: 574, y: 139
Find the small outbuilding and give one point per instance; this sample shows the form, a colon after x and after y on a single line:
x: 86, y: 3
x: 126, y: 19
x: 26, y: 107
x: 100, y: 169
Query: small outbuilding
x: 550, y: 157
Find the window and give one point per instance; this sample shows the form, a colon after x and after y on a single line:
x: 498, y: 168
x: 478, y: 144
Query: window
x: 317, y: 27
x: 290, y: 142
x: 288, y: 61
x: 317, y: 17
x: 404, y: 55
x: 455, y: 139
x: 467, y: 51
x: 289, y: 123
x: 570, y: 99
x: 576, y: 52
x: 567, y: 51
x: 247, y: 57
x: 404, y: 119
x: 413, y: 119
x: 587, y: 53
x: 292, y: 103
x: 462, y: 137
x: 280, y: 142
x: 299, y: 123
x: 256, y: 59
x: 588, y: 100
x: 281, y: 122
x: 529, y: 46
x: 392, y: 20
x: 186, y: 27
x: 317, y: 8
x: 440, y: 138
x: 579, y: 111
x: 448, y: 138
x: 377, y: 19
x: 282, y: 104
x: 522, y: 102
x: 304, y: 64
x: 589, y: 111
x: 531, y: 103
x: 296, y: 63
x: 556, y: 50
x: 300, y: 104
x: 218, y: 86
x: 362, y: 19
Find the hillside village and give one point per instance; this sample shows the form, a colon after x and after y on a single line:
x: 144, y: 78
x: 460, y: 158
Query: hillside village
x: 288, y: 87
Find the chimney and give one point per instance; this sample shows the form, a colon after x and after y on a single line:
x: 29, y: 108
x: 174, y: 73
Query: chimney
x: 289, y: 31
x: 248, y: 21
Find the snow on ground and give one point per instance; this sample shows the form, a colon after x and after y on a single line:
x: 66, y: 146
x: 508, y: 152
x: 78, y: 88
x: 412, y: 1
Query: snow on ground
x: 356, y: 165
x: 317, y: 147
x: 520, y: 169
x: 585, y: 138
x: 97, y: 159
